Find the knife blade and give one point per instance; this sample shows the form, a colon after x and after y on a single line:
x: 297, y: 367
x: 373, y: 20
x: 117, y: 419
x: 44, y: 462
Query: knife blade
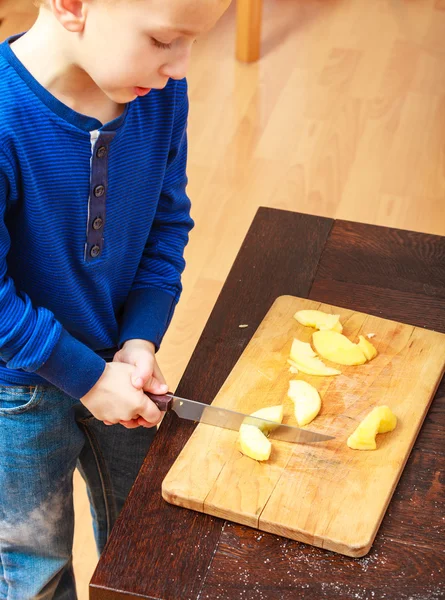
x: 230, y: 419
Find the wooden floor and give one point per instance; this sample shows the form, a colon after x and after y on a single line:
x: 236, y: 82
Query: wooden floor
x: 344, y: 116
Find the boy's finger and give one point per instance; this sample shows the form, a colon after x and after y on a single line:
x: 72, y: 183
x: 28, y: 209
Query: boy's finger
x: 133, y: 424
x: 137, y: 381
x: 117, y: 357
x: 150, y: 413
x: 143, y: 423
x: 143, y: 372
x: 156, y: 387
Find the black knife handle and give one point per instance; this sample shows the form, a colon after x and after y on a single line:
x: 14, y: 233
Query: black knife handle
x: 163, y: 401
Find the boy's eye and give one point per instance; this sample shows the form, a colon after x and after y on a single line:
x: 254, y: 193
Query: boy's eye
x: 160, y: 45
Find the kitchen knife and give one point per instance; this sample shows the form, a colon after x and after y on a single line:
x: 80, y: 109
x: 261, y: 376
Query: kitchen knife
x: 229, y: 419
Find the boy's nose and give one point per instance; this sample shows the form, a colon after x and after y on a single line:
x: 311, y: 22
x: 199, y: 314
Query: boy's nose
x: 177, y: 67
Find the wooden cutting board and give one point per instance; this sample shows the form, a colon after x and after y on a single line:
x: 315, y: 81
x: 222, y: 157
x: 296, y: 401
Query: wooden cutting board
x: 323, y: 494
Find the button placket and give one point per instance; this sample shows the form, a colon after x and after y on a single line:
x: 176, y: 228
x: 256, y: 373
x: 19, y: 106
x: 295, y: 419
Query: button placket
x: 98, y: 194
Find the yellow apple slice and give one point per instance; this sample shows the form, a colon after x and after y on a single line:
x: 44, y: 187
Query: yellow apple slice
x: 367, y: 348
x: 300, y: 350
x: 317, y: 367
x: 252, y: 439
x: 336, y: 347
x: 270, y: 413
x: 306, y: 399
x: 337, y: 327
x: 380, y: 420
x: 319, y: 320
x: 254, y: 443
x: 303, y: 358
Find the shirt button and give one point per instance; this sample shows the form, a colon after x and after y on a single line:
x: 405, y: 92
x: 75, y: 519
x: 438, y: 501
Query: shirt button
x: 101, y: 152
x: 99, y: 191
x: 97, y: 223
x: 95, y: 251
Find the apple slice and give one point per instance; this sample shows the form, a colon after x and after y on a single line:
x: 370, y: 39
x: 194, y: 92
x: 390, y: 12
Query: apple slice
x: 319, y: 320
x: 380, y: 420
x: 301, y: 350
x: 270, y: 413
x: 306, y: 399
x: 314, y: 367
x: 303, y: 358
x: 254, y: 443
x: 367, y: 348
x: 336, y: 347
x: 252, y: 439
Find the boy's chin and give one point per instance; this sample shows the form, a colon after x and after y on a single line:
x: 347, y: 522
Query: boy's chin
x: 121, y: 96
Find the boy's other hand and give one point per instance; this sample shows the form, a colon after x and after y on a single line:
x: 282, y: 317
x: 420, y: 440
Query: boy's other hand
x: 114, y: 399
x: 147, y: 375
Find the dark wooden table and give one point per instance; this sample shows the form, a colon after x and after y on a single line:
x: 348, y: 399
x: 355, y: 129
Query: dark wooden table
x: 161, y: 551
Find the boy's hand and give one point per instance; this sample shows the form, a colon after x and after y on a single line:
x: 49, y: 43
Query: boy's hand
x: 147, y: 375
x: 115, y: 400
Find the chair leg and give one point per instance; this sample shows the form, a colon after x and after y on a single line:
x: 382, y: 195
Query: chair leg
x: 248, y: 29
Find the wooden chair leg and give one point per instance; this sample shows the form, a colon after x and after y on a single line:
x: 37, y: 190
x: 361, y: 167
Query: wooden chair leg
x: 248, y: 29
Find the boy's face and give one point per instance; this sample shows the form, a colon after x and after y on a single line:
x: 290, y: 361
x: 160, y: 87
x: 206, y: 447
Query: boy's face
x: 130, y: 46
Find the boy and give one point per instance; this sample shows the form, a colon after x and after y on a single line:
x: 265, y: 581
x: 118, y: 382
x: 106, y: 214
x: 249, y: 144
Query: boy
x: 94, y: 219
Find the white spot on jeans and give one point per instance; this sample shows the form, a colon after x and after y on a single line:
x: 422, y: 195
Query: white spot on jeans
x: 41, y: 526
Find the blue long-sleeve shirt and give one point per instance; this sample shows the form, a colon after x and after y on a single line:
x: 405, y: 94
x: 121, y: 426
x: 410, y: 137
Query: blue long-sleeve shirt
x: 93, y: 224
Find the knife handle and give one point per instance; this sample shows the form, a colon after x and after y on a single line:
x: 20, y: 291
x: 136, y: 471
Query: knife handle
x: 163, y: 401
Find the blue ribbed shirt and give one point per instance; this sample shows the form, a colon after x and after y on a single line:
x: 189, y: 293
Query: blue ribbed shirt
x: 93, y: 223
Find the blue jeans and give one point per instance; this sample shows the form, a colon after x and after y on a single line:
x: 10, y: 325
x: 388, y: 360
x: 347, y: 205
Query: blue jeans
x: 44, y: 436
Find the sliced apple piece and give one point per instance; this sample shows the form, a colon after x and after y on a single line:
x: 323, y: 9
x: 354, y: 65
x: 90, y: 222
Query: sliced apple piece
x: 380, y: 420
x: 367, y: 348
x: 303, y: 358
x: 337, y: 327
x: 319, y: 320
x: 306, y: 399
x: 254, y: 443
x: 314, y: 366
x: 300, y: 350
x: 253, y: 440
x: 270, y: 413
x: 336, y: 347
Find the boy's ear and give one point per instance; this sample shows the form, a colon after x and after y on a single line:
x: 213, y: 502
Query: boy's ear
x: 70, y: 13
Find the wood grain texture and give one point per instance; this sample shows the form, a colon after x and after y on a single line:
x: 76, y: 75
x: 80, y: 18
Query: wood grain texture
x: 386, y: 272
x: 393, y: 259
x: 433, y: 429
x: 252, y: 565
x: 415, y: 515
x: 410, y: 540
x: 323, y: 494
